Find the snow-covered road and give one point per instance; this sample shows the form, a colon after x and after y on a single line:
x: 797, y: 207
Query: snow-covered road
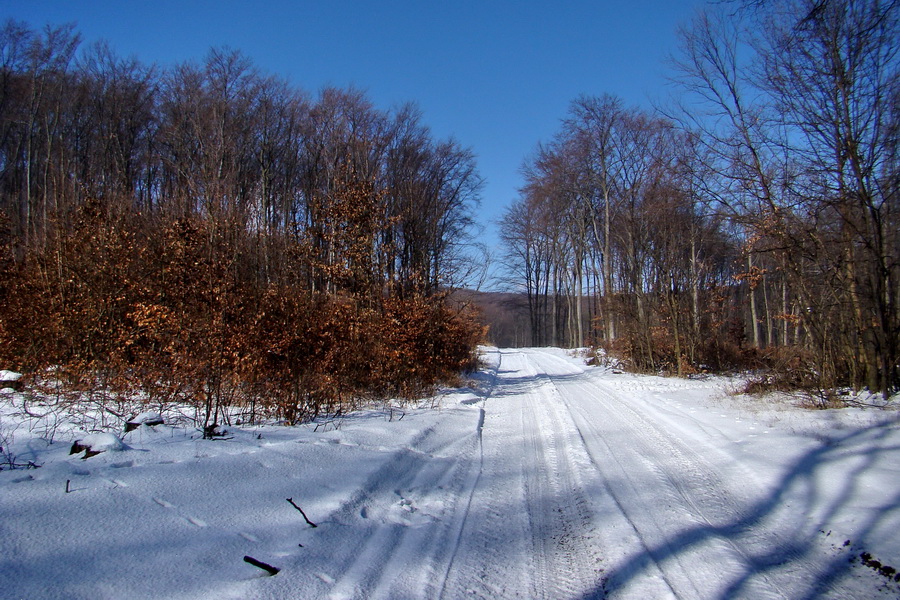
x: 580, y: 484
x: 552, y: 480
x: 618, y: 490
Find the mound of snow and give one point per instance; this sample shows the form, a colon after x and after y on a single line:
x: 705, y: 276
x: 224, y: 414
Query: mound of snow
x: 6, y: 376
x: 9, y: 379
x: 148, y: 418
x: 96, y: 443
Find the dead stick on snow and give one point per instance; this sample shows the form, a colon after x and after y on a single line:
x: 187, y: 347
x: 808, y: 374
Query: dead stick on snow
x: 265, y: 567
x: 308, y: 522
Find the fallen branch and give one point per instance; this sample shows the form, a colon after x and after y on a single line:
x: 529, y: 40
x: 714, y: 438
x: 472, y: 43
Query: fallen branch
x: 308, y: 522
x: 265, y: 567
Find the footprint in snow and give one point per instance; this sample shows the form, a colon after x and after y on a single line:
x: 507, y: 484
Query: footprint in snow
x: 163, y: 503
x: 249, y: 537
x: 196, y: 521
x: 325, y: 577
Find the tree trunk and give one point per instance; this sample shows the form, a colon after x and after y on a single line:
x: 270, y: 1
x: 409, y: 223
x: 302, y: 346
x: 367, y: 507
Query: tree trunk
x: 754, y: 318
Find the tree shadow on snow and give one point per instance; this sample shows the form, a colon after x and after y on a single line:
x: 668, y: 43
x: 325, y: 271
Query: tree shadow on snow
x: 803, y: 537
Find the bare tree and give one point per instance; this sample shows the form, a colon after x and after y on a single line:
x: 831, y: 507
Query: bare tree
x: 798, y: 137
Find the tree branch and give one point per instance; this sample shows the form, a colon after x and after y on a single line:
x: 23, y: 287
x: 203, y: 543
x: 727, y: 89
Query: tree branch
x: 308, y: 522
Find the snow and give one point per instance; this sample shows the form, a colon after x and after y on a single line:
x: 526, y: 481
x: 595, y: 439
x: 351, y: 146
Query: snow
x: 148, y: 416
x: 542, y: 479
x: 9, y: 376
x: 101, y: 442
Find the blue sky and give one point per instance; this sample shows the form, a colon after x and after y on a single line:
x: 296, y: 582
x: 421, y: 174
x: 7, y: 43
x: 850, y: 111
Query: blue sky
x: 496, y: 75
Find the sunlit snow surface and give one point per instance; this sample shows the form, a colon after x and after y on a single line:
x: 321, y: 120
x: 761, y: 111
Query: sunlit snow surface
x: 543, y: 479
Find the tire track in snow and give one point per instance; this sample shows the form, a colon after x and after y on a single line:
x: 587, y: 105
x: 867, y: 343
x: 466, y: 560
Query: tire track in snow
x: 492, y: 558
x: 407, y: 519
x: 530, y: 530
x: 611, y: 526
x: 687, y: 494
x: 562, y: 520
x: 728, y: 519
x: 461, y: 516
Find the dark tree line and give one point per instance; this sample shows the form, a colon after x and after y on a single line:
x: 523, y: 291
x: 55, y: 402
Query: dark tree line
x: 208, y: 232
x: 756, y: 220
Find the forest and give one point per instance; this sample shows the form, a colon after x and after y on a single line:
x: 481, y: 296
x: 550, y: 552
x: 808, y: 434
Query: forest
x: 752, y: 221
x: 210, y: 235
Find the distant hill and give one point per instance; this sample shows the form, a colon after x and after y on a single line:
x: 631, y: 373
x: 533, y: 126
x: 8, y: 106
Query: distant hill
x: 505, y: 313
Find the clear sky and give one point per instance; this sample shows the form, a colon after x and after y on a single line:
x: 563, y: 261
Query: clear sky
x: 496, y: 75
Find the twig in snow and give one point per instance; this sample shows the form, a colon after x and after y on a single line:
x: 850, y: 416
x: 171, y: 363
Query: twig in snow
x: 67, y: 486
x: 265, y: 567
x: 308, y: 522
